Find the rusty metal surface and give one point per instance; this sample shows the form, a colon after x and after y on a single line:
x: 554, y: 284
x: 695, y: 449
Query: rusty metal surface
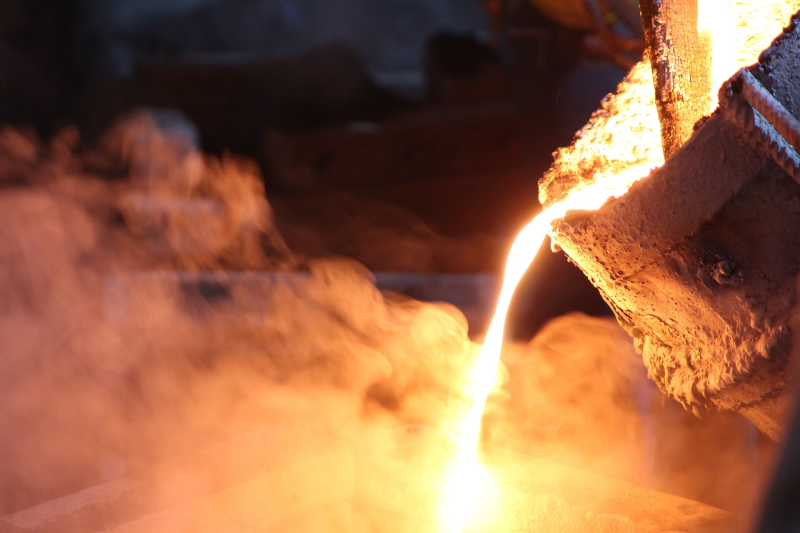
x: 776, y: 133
x: 681, y: 61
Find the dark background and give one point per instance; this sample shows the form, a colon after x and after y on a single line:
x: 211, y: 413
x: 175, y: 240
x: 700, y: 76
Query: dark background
x: 241, y: 70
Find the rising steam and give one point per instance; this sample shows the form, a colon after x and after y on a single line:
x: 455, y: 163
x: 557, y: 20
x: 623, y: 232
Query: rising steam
x: 112, y: 362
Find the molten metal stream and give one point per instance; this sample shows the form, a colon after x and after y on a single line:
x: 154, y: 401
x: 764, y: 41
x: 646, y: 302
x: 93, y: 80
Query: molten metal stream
x: 737, y: 31
x: 463, y: 489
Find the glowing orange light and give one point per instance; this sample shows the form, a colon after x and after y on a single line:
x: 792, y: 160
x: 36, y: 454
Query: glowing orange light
x: 738, y: 30
x: 463, y: 486
x: 624, y: 139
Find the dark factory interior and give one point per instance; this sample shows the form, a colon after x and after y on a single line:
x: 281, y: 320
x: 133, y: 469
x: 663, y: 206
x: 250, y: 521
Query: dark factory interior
x: 253, y: 266
x: 296, y: 87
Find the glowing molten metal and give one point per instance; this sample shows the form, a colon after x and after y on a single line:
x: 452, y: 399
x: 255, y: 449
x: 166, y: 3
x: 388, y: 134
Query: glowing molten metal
x: 620, y: 145
x: 462, y: 494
